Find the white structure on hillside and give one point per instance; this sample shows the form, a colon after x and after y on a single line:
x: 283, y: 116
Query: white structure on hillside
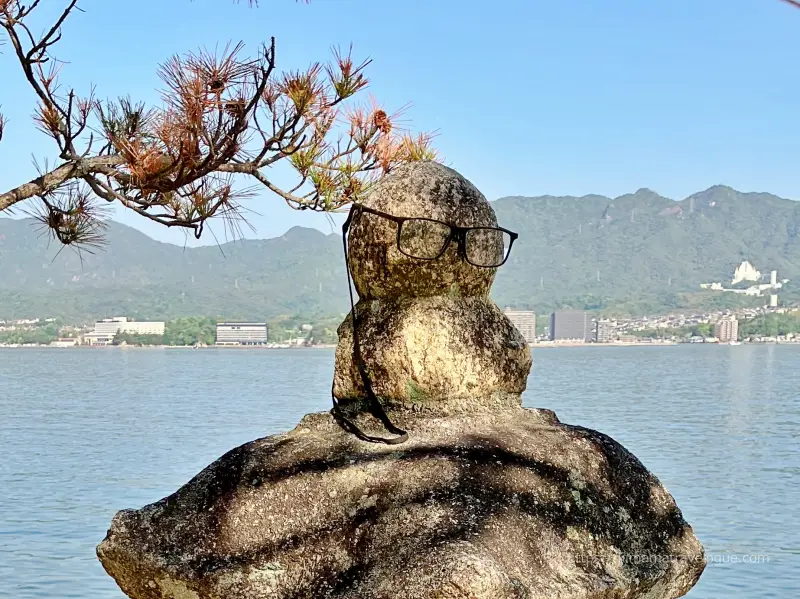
x: 105, y: 330
x: 745, y: 272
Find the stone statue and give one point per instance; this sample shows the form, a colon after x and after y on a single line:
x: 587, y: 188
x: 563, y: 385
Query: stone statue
x: 485, y: 500
x: 430, y: 336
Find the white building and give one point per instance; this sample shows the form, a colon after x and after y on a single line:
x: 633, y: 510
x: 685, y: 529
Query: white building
x: 525, y: 321
x: 605, y: 331
x: 745, y: 272
x: 105, y: 330
x: 64, y: 343
x: 143, y: 328
x: 242, y: 333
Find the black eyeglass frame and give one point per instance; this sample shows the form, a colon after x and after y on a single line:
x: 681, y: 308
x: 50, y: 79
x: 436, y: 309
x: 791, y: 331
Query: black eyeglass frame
x: 456, y: 232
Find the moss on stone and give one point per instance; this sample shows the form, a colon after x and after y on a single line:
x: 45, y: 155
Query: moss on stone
x: 414, y: 392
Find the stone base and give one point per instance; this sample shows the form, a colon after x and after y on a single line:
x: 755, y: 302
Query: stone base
x: 495, y: 505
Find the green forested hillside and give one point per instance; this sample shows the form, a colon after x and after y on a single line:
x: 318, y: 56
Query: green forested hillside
x: 637, y: 253
x: 642, y: 252
x: 136, y: 276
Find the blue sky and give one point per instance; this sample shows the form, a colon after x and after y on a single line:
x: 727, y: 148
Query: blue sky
x: 529, y: 97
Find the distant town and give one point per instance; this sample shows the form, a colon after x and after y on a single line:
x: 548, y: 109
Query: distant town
x: 767, y: 324
x: 577, y: 327
x: 121, y: 331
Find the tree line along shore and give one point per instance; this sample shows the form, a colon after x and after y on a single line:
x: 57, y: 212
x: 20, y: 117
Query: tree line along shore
x: 320, y: 331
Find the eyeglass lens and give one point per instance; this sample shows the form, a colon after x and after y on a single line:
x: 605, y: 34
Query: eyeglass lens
x: 422, y: 238
x: 425, y: 239
x: 487, y: 247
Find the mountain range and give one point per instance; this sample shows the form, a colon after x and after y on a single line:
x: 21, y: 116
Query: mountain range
x: 637, y: 253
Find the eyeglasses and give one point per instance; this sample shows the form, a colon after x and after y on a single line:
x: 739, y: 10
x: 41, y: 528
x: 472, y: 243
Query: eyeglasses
x: 428, y: 239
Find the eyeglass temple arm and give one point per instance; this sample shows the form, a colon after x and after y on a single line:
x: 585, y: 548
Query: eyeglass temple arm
x: 376, y: 409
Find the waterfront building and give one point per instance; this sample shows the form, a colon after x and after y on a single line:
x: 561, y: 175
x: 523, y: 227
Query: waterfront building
x: 242, y: 333
x: 64, y: 342
x: 106, y: 329
x: 727, y: 330
x: 98, y: 339
x: 143, y: 327
x: 570, y: 325
x: 525, y: 321
x: 605, y: 331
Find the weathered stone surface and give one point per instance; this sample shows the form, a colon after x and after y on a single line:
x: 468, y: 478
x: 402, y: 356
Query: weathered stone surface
x: 421, y: 190
x: 501, y: 505
x: 436, y: 353
x: 430, y: 336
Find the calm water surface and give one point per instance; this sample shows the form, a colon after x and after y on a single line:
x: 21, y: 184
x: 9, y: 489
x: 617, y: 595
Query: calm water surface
x: 84, y: 433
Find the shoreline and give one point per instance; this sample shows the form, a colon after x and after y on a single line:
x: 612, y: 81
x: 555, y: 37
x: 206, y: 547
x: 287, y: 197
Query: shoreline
x: 332, y: 346
x: 193, y: 347
x: 674, y: 344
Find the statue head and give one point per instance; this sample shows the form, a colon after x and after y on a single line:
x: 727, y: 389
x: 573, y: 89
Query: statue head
x: 424, y: 231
